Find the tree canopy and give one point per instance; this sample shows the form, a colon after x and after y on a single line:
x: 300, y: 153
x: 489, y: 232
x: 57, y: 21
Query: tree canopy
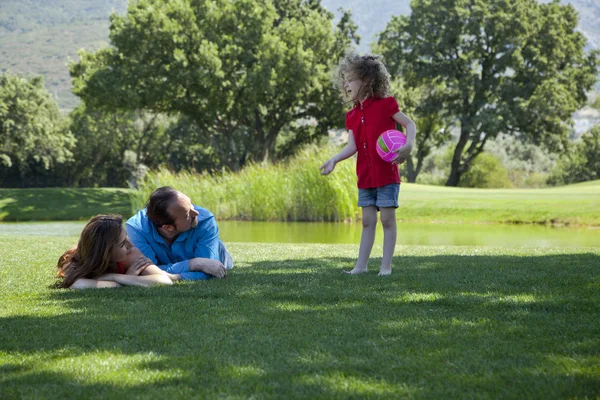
x: 33, y: 133
x: 243, y: 71
x: 494, y: 66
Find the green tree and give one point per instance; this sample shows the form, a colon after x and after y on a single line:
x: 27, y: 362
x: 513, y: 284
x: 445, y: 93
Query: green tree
x: 242, y: 70
x: 511, y: 66
x: 416, y: 98
x: 326, y: 107
x: 433, y: 128
x: 33, y: 133
x: 581, y: 163
x: 112, y: 146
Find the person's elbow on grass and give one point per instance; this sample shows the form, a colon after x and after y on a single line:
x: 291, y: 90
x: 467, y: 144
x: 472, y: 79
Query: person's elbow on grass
x: 80, y: 284
x: 163, y: 279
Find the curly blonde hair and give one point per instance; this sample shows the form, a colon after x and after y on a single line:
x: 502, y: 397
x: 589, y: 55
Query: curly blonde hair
x: 368, y: 68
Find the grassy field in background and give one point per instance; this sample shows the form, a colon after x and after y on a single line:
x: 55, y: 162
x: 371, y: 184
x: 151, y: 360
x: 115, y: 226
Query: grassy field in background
x: 62, y: 204
x: 238, y: 197
x: 296, y: 191
x: 451, y: 322
x: 577, y: 204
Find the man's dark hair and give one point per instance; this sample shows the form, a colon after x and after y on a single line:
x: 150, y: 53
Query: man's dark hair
x: 157, y: 205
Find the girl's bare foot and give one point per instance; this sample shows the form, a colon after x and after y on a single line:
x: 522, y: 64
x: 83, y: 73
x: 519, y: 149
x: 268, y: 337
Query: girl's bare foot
x: 356, y: 271
x: 385, y: 271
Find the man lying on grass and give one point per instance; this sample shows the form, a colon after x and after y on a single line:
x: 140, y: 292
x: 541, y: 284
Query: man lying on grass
x: 105, y: 258
x: 179, y: 237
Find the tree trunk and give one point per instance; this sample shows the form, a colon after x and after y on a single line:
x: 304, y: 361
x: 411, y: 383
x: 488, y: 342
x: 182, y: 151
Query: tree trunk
x: 411, y: 174
x: 454, y: 177
x: 456, y: 169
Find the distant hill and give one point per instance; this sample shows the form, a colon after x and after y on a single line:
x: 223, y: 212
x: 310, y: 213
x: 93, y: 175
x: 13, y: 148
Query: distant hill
x: 39, y: 37
x: 372, y: 16
x: 31, y: 15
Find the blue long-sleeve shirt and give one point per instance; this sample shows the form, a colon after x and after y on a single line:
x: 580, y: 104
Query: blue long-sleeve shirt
x: 201, y: 241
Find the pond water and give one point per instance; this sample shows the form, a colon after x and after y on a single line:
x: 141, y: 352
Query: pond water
x: 408, y: 233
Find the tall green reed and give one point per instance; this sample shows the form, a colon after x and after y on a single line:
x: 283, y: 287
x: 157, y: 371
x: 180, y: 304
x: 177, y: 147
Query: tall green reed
x: 290, y: 191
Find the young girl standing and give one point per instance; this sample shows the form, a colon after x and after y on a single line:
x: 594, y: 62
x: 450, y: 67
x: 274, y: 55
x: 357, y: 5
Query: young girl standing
x: 364, y: 80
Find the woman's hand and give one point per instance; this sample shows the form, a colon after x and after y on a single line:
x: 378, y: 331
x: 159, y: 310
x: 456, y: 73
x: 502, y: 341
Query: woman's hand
x: 136, y: 262
x: 139, y: 265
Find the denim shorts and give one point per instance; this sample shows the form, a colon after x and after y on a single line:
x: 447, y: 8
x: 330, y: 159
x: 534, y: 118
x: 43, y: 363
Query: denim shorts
x: 385, y: 196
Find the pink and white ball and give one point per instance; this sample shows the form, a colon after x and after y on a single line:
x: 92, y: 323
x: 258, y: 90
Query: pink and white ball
x: 388, y: 142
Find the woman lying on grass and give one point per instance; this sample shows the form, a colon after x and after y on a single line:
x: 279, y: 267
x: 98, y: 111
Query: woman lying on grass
x: 105, y: 258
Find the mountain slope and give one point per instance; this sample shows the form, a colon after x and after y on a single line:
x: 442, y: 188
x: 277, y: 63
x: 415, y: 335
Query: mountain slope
x: 39, y: 37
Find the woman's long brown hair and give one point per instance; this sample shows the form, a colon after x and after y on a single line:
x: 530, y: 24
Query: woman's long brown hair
x: 91, y: 257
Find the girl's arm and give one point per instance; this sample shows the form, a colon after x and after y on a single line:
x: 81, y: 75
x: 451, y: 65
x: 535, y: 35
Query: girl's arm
x: 346, y: 152
x: 411, y: 132
x: 83, y: 283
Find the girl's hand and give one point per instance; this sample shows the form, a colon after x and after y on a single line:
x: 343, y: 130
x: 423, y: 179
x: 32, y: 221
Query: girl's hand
x: 402, y: 154
x: 327, y: 167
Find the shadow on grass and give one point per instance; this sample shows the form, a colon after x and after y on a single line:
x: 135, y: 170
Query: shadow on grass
x: 54, y: 385
x: 62, y: 204
x: 440, y: 326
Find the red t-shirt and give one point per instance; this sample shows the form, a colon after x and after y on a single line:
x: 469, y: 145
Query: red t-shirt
x: 121, y: 268
x: 367, y: 123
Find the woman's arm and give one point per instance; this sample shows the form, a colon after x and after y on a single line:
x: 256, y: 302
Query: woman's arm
x: 118, y: 280
x: 135, y: 280
x: 153, y: 270
x: 83, y: 283
x: 138, y: 264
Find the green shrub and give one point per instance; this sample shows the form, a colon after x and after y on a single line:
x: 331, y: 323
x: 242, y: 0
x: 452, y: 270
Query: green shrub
x: 290, y: 191
x: 528, y: 165
x: 486, y: 172
x: 582, y: 163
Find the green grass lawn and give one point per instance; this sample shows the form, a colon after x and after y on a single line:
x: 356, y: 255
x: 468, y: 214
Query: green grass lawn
x: 576, y: 204
x: 570, y: 205
x: 451, y: 322
x: 62, y: 204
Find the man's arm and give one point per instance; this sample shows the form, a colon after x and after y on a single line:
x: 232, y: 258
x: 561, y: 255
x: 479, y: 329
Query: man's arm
x: 180, y: 268
x: 208, y: 266
x: 206, y: 250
